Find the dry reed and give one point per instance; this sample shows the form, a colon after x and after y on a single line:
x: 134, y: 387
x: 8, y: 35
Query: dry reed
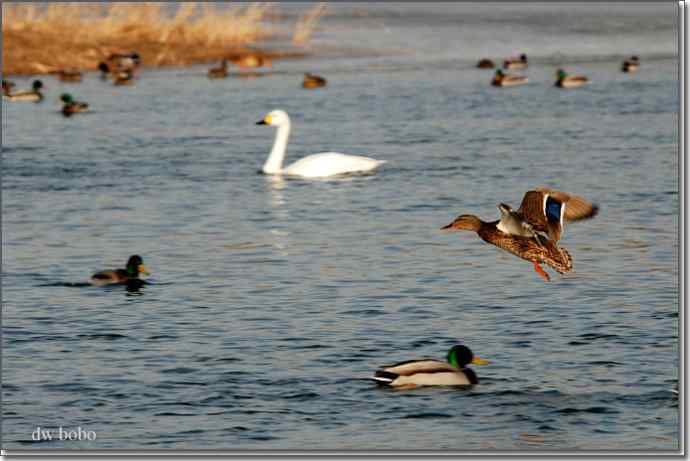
x: 307, y: 23
x: 42, y: 38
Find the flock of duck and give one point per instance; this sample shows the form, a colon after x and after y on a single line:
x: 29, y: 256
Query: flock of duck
x: 532, y: 232
x: 563, y: 80
x: 121, y: 69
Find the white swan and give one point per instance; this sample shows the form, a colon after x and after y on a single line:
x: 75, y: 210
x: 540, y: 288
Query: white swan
x: 312, y: 166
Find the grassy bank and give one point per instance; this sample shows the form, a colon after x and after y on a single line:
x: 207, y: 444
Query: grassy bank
x: 43, y: 39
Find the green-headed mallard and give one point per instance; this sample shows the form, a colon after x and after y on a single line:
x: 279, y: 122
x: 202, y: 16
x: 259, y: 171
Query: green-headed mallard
x: 431, y: 372
x: 219, y: 72
x: 563, y: 80
x: 516, y: 63
x: 485, y: 64
x: 521, y: 232
x: 501, y: 79
x: 135, y: 266
x: 33, y: 95
x: 69, y: 75
x: 313, y: 81
x: 71, y: 106
x: 631, y: 64
x: 7, y: 87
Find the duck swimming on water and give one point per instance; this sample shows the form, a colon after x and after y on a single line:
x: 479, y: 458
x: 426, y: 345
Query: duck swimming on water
x: 431, y: 372
x: 32, y: 95
x: 135, y: 266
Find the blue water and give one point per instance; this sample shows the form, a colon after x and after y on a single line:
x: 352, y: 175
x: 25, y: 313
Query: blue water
x: 270, y: 300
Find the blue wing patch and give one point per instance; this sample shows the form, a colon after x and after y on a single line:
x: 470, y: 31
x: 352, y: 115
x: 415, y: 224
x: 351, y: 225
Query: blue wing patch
x: 553, y: 209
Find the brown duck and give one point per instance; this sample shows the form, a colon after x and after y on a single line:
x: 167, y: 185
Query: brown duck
x: 532, y: 232
x: 313, y: 81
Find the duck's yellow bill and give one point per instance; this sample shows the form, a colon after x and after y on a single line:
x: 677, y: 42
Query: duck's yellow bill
x: 479, y: 361
x: 143, y: 270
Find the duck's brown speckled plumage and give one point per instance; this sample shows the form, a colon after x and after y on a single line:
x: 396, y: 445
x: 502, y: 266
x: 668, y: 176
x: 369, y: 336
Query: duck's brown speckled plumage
x: 533, y: 246
x: 527, y: 248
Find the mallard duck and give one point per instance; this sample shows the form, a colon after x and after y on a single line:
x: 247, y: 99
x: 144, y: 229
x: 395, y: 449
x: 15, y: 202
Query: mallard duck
x: 563, y: 80
x: 70, y: 75
x: 123, y: 77
x: 135, y: 266
x: 501, y: 79
x: 431, y: 372
x: 117, y: 63
x: 631, y: 65
x: 516, y: 63
x: 521, y: 232
x: 250, y: 61
x: 71, y: 106
x: 219, y: 72
x: 313, y: 81
x: 485, y: 64
x: 123, y: 61
x: 33, y: 95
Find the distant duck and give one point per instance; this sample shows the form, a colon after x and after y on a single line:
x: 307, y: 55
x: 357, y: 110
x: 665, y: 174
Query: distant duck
x: 516, y: 63
x: 313, y: 166
x: 117, y: 63
x: 70, y: 75
x: 251, y: 61
x: 521, y: 232
x: 313, y: 81
x: 431, y: 372
x: 135, y: 266
x: 123, y: 77
x: 33, y: 95
x: 485, y: 64
x: 71, y: 106
x: 631, y: 65
x: 7, y: 87
x: 503, y: 80
x: 123, y: 61
x: 219, y: 72
x: 563, y: 80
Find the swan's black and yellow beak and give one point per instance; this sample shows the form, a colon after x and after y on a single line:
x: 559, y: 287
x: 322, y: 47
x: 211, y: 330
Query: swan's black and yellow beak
x: 266, y: 121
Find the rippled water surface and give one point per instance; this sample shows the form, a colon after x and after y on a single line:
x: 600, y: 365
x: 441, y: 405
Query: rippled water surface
x: 270, y: 300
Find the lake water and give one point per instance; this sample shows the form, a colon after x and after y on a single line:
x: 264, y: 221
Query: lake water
x: 271, y: 300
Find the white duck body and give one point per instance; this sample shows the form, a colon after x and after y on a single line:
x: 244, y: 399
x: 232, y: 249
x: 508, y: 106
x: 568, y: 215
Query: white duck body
x: 313, y: 166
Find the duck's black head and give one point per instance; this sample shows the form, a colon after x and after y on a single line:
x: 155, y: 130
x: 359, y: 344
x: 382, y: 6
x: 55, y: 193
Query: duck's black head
x: 523, y: 57
x: 37, y: 85
x: 135, y: 265
x: 460, y: 356
x: 103, y: 67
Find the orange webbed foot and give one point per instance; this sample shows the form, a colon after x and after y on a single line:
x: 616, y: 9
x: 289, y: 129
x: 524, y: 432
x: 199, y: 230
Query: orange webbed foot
x: 541, y: 272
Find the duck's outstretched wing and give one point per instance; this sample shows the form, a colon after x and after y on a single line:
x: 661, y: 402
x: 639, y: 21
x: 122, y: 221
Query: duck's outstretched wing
x: 548, y: 209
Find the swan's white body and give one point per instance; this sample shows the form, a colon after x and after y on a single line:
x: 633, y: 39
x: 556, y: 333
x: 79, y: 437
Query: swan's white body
x: 313, y: 166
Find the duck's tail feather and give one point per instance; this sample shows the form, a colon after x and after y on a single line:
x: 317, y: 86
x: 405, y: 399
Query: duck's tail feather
x: 384, y: 377
x: 561, y: 262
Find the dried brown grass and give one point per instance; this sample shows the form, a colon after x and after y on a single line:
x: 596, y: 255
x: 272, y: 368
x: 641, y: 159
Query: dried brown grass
x: 307, y: 24
x: 46, y: 38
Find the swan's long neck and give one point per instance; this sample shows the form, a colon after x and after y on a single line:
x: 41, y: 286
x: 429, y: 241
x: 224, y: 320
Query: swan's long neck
x: 274, y: 163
